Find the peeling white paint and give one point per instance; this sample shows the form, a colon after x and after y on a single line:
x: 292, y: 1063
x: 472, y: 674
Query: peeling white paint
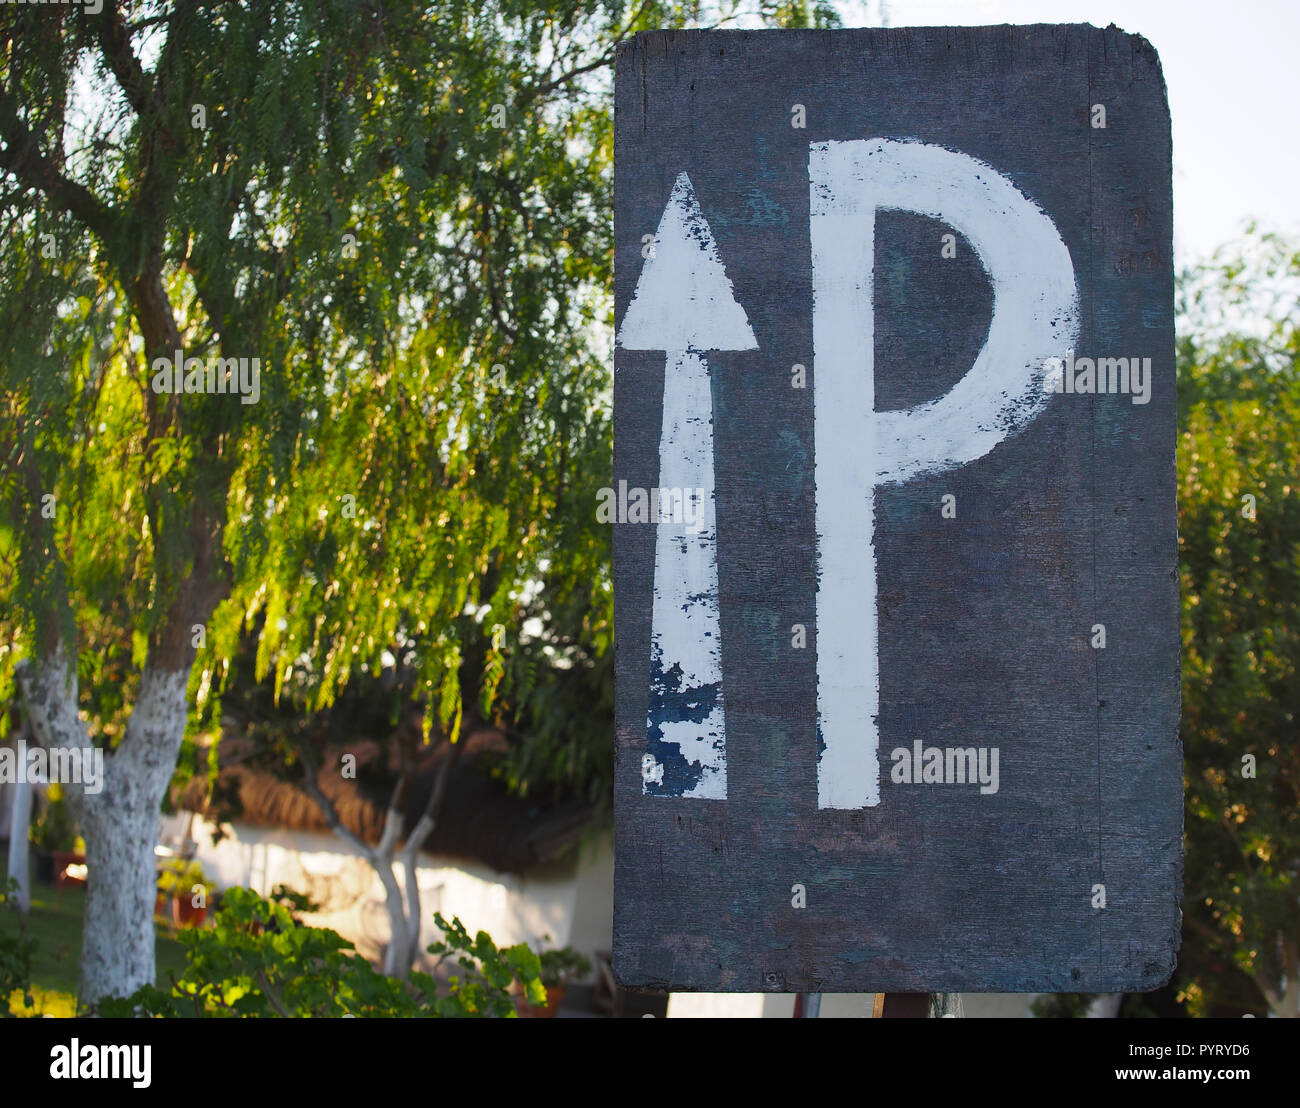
x: 1035, y: 317
x: 652, y: 771
x: 686, y: 630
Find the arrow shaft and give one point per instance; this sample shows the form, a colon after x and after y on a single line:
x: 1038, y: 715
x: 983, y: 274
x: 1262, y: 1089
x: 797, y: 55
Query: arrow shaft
x: 685, y: 721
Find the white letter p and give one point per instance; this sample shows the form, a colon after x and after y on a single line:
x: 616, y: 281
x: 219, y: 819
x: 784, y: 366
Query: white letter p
x: 1035, y: 317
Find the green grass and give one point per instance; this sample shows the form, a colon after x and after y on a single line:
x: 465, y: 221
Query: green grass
x: 55, y: 923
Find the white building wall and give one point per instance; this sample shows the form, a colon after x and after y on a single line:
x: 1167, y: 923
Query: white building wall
x: 730, y: 1005
x: 593, y: 907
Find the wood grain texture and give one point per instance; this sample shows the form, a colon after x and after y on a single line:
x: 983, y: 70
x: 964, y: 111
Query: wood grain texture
x: 985, y: 620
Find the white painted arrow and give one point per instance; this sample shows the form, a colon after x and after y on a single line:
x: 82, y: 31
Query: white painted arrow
x: 684, y: 305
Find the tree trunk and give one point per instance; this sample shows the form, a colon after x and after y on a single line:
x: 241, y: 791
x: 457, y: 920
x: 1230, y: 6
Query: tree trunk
x: 1284, y: 1000
x: 120, y: 822
x: 397, y: 958
x: 121, y: 830
x: 403, y: 912
x: 20, y: 817
x: 1104, y: 1006
x: 410, y: 867
x: 410, y: 859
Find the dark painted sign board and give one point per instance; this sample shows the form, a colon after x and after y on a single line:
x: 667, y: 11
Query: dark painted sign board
x: 894, y: 512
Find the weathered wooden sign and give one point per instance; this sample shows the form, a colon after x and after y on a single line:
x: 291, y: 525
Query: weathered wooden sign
x: 894, y: 512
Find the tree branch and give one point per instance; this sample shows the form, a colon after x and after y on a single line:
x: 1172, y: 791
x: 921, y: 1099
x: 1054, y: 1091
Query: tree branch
x: 115, y: 45
x: 577, y: 71
x: 393, y: 820
x: 433, y: 806
x: 22, y: 156
x: 49, y: 693
x: 1215, y: 938
x: 270, y: 994
x: 331, y: 814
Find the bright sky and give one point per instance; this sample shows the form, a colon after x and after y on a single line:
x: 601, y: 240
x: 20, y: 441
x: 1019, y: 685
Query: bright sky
x: 1234, y: 97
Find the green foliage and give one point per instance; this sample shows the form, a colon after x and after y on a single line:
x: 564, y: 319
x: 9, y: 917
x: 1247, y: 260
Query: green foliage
x: 54, y: 829
x: 16, y: 954
x: 352, y: 216
x: 257, y: 961
x: 799, y: 14
x: 1239, y: 399
x: 426, y: 287
x: 563, y: 965
x: 489, y: 971
x: 298, y: 904
x: 1061, y: 1005
x: 179, y: 876
x: 55, y: 922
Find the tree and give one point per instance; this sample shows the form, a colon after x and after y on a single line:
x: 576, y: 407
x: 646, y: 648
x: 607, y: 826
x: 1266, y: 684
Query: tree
x: 379, y: 234
x: 300, y: 743
x: 553, y: 706
x: 1239, y: 513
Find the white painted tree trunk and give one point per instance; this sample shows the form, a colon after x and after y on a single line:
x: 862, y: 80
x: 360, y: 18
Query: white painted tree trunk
x: 20, y: 817
x: 120, y: 822
x: 397, y: 958
x: 1283, y: 995
x: 1105, y: 1006
x: 410, y: 863
x: 403, y: 913
x: 121, y: 830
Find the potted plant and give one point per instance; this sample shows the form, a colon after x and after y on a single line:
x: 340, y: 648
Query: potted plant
x: 560, y: 968
x: 177, y: 882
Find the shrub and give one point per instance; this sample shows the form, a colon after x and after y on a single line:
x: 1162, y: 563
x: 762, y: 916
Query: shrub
x: 257, y: 960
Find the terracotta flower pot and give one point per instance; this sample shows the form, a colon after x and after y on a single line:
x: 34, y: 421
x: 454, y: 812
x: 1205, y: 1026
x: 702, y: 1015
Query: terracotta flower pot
x: 554, y: 998
x: 184, y: 914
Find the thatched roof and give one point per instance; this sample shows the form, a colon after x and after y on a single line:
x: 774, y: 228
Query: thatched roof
x: 480, y: 819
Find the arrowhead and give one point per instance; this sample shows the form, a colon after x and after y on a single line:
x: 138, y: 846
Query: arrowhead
x: 683, y: 299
